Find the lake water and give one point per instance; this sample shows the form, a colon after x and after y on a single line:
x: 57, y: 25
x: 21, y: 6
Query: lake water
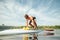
x: 56, y: 36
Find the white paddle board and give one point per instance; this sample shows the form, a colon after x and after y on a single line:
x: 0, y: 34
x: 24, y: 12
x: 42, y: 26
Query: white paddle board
x: 18, y: 31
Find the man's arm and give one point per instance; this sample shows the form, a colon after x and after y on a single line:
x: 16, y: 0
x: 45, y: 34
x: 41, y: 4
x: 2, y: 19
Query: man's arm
x: 27, y: 23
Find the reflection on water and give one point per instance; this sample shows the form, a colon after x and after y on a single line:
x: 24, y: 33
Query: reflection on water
x: 49, y: 38
x: 40, y: 37
x: 12, y: 37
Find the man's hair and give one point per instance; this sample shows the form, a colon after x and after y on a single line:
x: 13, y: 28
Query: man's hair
x: 26, y: 16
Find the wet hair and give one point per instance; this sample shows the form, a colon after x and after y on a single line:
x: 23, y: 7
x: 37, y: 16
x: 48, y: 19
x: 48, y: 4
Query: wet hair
x: 26, y: 16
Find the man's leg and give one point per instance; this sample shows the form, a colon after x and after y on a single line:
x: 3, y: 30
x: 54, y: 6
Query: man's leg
x: 31, y: 24
x: 34, y: 24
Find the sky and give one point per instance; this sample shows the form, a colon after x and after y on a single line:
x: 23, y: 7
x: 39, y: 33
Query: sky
x: 47, y: 12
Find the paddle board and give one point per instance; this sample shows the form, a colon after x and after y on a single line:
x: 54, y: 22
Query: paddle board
x: 18, y: 31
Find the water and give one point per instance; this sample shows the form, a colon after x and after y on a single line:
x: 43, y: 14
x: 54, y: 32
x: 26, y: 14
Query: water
x: 40, y: 37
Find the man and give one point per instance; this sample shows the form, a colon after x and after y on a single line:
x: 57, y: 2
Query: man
x: 32, y: 23
x: 31, y: 20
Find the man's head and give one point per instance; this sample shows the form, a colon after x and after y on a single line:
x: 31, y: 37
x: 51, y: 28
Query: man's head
x: 26, y: 16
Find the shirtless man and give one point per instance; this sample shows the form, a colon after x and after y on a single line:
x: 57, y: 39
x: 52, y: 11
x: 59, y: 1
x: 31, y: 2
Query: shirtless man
x: 32, y: 23
x: 31, y: 20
